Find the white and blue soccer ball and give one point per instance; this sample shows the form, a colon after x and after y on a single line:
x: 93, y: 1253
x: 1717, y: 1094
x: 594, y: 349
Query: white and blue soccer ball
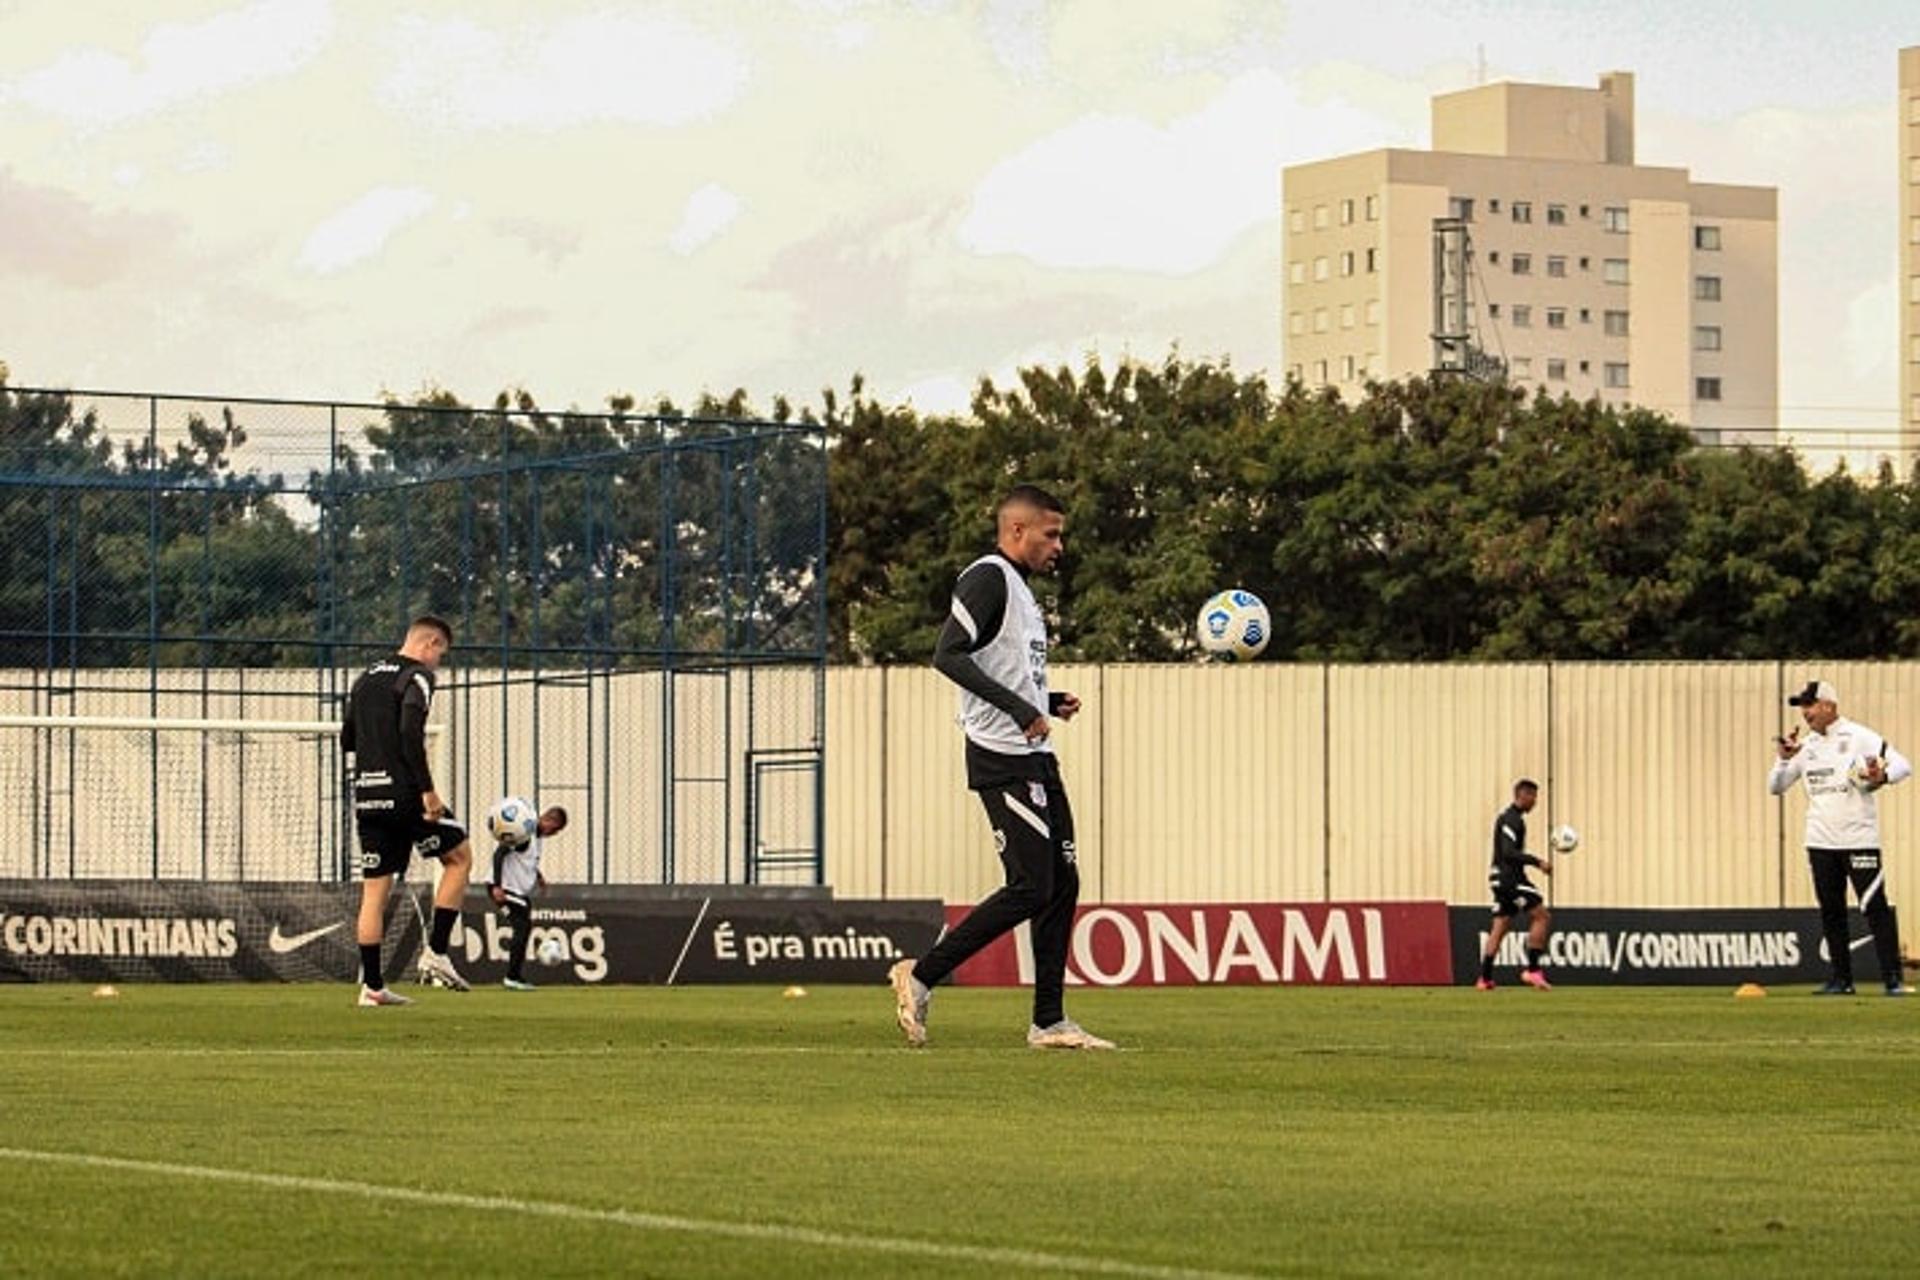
x: 551, y: 950
x: 1235, y: 625
x: 512, y: 820
x: 1565, y: 839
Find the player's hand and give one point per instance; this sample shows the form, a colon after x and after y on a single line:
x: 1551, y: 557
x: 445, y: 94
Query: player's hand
x: 498, y: 895
x: 1789, y: 746
x: 1068, y: 708
x: 434, y: 807
x: 1038, y: 729
x: 539, y: 880
x: 1546, y: 867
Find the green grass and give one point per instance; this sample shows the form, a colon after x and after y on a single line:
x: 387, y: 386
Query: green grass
x: 1290, y: 1132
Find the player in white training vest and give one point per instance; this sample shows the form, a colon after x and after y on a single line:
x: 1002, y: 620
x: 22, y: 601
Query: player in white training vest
x: 516, y: 878
x: 1843, y: 763
x: 994, y: 646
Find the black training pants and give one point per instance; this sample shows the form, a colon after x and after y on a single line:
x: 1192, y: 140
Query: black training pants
x: 1832, y: 868
x: 1033, y: 830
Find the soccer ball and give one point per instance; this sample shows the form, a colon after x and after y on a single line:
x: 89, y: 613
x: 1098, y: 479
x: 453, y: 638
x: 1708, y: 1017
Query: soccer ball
x: 512, y: 821
x: 1564, y: 839
x: 1235, y: 625
x: 1858, y: 773
x: 551, y: 951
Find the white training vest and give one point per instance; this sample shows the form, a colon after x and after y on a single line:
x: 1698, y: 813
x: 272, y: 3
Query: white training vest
x: 520, y: 868
x: 1016, y: 657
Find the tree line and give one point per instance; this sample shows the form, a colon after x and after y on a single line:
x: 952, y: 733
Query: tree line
x: 1430, y: 520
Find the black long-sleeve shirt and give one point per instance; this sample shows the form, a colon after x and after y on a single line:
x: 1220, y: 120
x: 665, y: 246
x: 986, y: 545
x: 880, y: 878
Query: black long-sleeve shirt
x: 384, y: 732
x: 1510, y: 856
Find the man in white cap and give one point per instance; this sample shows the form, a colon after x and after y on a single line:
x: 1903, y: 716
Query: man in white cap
x: 1843, y: 763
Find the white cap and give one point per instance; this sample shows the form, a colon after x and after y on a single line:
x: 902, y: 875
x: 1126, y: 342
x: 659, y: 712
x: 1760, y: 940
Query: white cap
x: 1816, y: 691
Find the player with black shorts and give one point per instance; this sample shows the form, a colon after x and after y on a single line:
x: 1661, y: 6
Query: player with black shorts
x: 397, y: 812
x: 1514, y: 896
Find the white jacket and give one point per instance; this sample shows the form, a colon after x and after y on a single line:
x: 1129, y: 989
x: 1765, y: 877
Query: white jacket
x: 1839, y: 814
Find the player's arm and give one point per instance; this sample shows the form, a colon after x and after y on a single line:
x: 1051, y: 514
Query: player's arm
x: 978, y: 611
x: 415, y: 703
x: 1507, y: 850
x: 1787, y: 769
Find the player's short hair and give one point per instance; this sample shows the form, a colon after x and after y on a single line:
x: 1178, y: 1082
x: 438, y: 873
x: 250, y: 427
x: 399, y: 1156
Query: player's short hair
x: 1030, y: 495
x: 1526, y: 784
x: 435, y: 622
x: 558, y: 814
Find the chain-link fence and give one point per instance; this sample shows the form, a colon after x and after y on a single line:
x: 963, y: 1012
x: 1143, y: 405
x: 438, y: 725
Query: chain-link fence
x: 638, y: 602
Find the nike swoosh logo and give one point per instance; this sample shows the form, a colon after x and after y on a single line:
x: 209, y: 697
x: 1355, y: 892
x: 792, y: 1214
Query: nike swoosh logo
x: 280, y: 943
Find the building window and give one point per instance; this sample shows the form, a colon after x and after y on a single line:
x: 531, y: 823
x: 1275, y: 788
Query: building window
x: 1373, y: 208
x: 1346, y: 368
x: 1346, y: 316
x: 1913, y: 110
x: 1461, y: 207
x: 1523, y: 211
x: 1556, y: 370
x: 1346, y: 213
x: 1913, y: 290
x: 1614, y: 270
x: 1522, y: 367
x: 1556, y: 266
x: 1586, y: 316
x: 1297, y: 322
x: 1914, y: 355
x: 1373, y: 261
x: 1296, y: 273
x: 1556, y: 215
x: 1523, y: 264
x: 1613, y: 218
x: 1706, y: 388
x: 1913, y: 231
x: 1320, y: 322
x: 1293, y: 372
x: 1493, y: 257
x: 1614, y: 323
x: 1586, y: 264
x: 1584, y: 212
x: 1706, y: 337
x: 1296, y: 220
x: 1493, y: 310
x: 1913, y: 169
x: 1706, y: 288
x: 1319, y: 217
x: 1556, y: 317
x: 1346, y: 263
x: 1373, y: 311
x: 1493, y: 205
x: 1522, y: 316
x: 1706, y: 238
x: 1319, y: 268
x: 1320, y: 372
x: 1585, y: 367
x: 1913, y: 409
x: 1616, y: 375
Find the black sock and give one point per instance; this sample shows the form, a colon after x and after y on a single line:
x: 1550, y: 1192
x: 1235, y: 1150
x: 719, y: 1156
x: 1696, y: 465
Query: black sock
x: 443, y: 918
x: 1533, y: 957
x: 1486, y: 968
x: 370, y: 966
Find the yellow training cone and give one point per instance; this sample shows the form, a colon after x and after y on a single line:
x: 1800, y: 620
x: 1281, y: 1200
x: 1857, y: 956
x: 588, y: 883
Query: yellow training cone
x: 794, y: 993
x: 1748, y: 990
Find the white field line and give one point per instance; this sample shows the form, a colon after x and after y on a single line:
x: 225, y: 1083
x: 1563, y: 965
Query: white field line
x: 758, y: 1232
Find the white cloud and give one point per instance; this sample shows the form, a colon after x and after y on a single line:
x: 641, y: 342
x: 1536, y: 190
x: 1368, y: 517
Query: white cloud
x: 1121, y: 192
x: 179, y: 61
x: 623, y: 68
x: 363, y: 228
x: 709, y: 211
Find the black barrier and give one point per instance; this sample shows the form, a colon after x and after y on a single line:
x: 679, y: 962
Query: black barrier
x: 190, y: 931
x: 1708, y: 947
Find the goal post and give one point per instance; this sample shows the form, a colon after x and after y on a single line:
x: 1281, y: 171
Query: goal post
x: 132, y: 797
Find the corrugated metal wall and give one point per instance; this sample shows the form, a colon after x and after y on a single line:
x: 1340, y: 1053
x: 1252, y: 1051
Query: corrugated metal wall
x: 1278, y: 782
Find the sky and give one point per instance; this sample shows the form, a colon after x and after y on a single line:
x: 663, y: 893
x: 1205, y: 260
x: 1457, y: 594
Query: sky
x: 341, y: 199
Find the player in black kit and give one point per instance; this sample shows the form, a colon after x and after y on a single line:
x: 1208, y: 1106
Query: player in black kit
x: 396, y: 809
x: 1513, y: 894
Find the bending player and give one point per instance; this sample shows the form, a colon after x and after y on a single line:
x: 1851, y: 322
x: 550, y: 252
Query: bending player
x: 516, y: 878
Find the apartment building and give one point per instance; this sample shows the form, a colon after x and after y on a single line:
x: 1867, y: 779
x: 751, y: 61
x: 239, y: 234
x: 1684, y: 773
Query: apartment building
x: 1589, y: 274
x: 1910, y: 251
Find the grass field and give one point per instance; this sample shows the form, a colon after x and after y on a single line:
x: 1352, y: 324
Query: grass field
x: 232, y: 1130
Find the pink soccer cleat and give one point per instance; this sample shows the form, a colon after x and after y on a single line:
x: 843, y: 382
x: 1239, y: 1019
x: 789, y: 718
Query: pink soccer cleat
x: 1536, y: 979
x: 1483, y: 984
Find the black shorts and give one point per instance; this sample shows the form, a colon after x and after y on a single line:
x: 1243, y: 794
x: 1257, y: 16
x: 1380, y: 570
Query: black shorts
x: 388, y: 842
x: 1514, y: 896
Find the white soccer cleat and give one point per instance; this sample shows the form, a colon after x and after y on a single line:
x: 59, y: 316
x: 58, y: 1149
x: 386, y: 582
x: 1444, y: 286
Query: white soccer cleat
x: 438, y: 971
x: 383, y: 998
x: 1065, y: 1034
x: 910, y: 1000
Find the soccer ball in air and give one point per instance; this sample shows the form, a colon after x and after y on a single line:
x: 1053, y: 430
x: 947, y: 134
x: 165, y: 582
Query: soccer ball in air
x: 1564, y: 839
x: 551, y: 950
x: 1235, y: 625
x: 512, y: 821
